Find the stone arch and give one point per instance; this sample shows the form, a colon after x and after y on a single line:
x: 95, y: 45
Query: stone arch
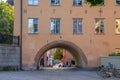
x: 77, y: 53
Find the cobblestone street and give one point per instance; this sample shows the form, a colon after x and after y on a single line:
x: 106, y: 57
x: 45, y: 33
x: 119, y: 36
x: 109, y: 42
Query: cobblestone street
x: 52, y: 75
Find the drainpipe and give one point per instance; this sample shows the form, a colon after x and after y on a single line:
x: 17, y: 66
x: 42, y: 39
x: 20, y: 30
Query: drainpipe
x: 20, y: 34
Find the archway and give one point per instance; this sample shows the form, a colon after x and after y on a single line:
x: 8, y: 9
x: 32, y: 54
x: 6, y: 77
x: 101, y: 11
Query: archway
x: 77, y: 53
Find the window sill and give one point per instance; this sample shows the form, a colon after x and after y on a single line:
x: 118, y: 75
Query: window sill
x: 55, y: 33
x: 55, y: 5
x: 99, y: 33
x: 117, y: 4
x: 77, y: 5
x: 33, y: 33
x: 32, y: 5
x: 77, y: 33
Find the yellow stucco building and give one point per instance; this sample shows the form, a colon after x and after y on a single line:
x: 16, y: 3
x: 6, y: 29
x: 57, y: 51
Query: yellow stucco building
x: 87, y: 32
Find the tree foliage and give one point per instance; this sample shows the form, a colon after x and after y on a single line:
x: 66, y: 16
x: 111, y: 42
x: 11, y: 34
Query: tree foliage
x: 58, y: 54
x: 6, y: 18
x: 95, y: 2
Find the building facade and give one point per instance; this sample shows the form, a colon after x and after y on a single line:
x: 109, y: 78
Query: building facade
x: 88, y: 33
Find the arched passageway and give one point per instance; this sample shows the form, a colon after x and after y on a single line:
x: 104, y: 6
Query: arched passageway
x: 76, y: 52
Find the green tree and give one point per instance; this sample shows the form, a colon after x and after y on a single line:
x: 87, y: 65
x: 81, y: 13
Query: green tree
x: 95, y: 2
x: 58, y: 54
x: 6, y: 18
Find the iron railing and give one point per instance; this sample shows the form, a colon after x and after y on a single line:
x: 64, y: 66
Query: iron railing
x: 8, y: 39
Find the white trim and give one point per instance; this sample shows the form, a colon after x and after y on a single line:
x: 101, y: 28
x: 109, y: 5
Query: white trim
x: 116, y: 3
x: 33, y: 26
x: 55, y: 4
x: 99, y: 30
x: 33, y: 3
x: 77, y: 25
x: 77, y: 3
x: 55, y: 22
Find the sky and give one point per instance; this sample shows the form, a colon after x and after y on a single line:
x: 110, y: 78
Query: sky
x: 3, y: 0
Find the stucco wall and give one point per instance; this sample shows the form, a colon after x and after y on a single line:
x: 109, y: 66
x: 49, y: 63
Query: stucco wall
x: 9, y: 56
x: 115, y: 60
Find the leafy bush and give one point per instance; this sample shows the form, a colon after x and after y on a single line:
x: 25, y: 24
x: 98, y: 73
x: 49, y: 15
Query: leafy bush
x: 95, y: 2
x: 118, y: 54
x: 114, y: 54
x: 9, y: 68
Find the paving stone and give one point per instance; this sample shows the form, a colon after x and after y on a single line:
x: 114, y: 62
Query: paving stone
x: 52, y: 75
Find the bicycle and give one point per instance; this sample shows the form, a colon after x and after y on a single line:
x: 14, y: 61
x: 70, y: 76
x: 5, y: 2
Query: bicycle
x: 101, y: 71
x: 108, y: 71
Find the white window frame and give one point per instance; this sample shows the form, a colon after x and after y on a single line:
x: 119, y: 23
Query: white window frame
x: 117, y: 31
x: 77, y: 3
x: 31, y: 30
x: 117, y: 3
x: 77, y: 27
x: 55, y: 19
x: 55, y: 2
x: 33, y: 2
x: 99, y: 28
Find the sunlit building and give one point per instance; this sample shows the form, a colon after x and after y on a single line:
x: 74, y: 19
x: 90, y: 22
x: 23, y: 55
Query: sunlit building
x: 88, y: 33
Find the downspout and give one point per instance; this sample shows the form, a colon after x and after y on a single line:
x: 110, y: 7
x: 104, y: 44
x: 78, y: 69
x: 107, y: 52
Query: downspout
x: 20, y: 34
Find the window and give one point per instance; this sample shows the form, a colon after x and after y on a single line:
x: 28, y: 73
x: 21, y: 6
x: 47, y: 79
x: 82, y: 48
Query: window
x: 77, y: 26
x: 77, y: 2
x: 117, y: 50
x: 55, y: 2
x: 32, y: 2
x: 55, y: 26
x: 33, y: 25
x: 117, y: 26
x: 99, y: 26
x: 117, y: 2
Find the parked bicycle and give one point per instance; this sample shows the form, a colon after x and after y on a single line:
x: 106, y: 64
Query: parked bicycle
x: 107, y: 71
